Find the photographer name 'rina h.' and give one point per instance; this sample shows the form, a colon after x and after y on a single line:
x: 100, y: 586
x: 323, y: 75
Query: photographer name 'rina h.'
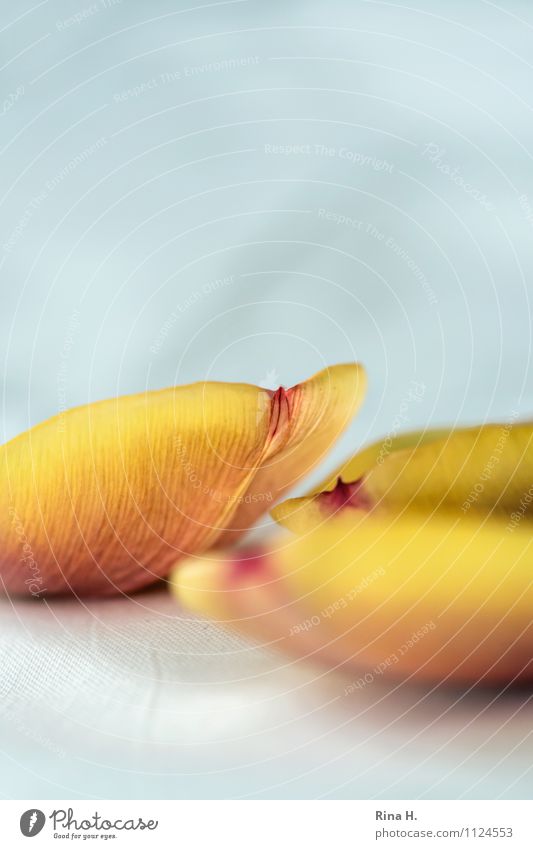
x: 388, y: 815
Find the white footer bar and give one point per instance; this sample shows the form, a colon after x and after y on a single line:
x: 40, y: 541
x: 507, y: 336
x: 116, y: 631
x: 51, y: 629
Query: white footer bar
x: 267, y: 824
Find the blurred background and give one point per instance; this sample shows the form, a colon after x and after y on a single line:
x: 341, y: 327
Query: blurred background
x: 250, y: 191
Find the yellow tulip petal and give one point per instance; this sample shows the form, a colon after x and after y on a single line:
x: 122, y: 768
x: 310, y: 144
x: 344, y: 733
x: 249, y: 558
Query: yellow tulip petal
x: 437, y: 598
x: 481, y: 469
x: 106, y: 497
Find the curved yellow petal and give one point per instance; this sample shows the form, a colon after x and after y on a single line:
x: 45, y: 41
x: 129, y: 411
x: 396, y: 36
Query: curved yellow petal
x: 437, y: 598
x: 481, y: 469
x: 105, y: 497
x: 310, y: 419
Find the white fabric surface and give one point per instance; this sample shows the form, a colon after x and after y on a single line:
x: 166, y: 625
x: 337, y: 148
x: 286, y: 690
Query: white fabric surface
x: 125, y: 196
